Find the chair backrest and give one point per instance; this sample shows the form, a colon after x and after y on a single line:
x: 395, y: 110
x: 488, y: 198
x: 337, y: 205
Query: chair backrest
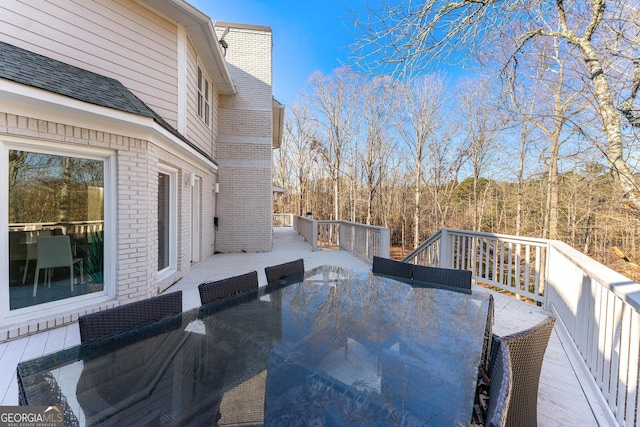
x: 54, y: 251
x: 500, y: 385
x: 278, y: 272
x: 443, y: 276
x: 110, y: 321
x: 221, y: 289
x: 32, y: 236
x: 526, y: 351
x: 392, y: 268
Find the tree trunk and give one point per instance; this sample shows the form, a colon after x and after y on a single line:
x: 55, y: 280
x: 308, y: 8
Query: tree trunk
x: 416, y: 211
x: 610, y: 123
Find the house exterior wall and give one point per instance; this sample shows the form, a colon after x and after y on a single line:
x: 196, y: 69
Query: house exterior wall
x: 129, y: 42
x: 136, y: 162
x: 203, y: 136
x: 243, y: 148
x: 119, y: 39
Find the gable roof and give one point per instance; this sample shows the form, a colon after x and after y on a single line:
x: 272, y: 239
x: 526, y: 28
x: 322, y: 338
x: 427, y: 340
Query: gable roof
x: 32, y: 69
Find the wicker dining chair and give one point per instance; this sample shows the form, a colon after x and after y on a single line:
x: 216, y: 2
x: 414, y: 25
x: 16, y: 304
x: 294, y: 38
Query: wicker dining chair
x: 488, y: 339
x: 443, y: 276
x: 526, y: 351
x: 278, y: 272
x: 500, y: 386
x: 221, y: 289
x: 392, y: 268
x: 116, y: 319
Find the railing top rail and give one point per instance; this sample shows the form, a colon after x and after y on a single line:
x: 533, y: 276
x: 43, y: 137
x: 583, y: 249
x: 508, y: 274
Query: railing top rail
x: 424, y: 244
x: 622, y: 286
x: 508, y: 237
x: 355, y: 224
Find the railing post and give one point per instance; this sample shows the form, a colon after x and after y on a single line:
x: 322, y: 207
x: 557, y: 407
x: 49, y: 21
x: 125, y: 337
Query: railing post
x: 445, y: 260
x: 314, y: 235
x: 385, y: 243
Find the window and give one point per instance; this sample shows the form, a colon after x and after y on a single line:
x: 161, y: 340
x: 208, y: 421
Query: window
x: 164, y: 215
x: 167, y: 228
x: 204, y: 101
x: 56, y: 217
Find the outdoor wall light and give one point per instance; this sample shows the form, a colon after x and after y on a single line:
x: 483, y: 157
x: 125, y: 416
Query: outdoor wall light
x: 191, y: 180
x: 224, y: 46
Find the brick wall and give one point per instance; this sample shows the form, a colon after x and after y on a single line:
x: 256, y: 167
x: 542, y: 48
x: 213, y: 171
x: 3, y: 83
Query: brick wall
x: 243, y: 149
x: 137, y: 164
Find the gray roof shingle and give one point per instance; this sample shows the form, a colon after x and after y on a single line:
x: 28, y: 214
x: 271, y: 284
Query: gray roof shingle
x: 31, y: 69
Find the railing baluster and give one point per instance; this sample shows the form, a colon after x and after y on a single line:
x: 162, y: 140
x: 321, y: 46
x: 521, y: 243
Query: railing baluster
x: 633, y: 359
x: 536, y: 272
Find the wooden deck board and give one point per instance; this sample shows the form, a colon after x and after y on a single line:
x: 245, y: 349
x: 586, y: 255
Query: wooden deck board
x: 561, y: 400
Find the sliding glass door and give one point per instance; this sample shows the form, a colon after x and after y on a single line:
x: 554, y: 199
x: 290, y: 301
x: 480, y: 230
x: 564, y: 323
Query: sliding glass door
x: 56, y: 206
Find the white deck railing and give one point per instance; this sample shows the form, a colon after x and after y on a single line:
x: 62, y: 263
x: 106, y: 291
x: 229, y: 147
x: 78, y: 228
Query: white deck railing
x: 599, y: 308
x: 514, y: 264
x: 365, y: 241
x: 68, y: 227
x: 282, y: 220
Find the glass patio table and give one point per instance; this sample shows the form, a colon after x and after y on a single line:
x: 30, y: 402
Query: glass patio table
x: 335, y: 347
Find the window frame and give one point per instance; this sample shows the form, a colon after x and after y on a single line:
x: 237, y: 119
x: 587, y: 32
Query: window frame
x: 109, y: 158
x: 203, y: 96
x: 172, y: 222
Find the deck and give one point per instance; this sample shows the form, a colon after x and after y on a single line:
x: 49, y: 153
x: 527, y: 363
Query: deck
x: 563, y: 400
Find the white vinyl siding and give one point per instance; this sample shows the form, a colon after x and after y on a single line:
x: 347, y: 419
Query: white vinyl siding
x: 198, y: 132
x: 122, y: 39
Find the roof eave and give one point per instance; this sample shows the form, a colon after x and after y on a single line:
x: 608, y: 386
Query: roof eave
x: 200, y: 30
x: 45, y: 105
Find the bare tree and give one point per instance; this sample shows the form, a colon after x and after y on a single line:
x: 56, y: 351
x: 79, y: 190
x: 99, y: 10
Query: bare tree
x: 481, y: 124
x: 552, y: 104
x: 379, y: 105
x: 296, y: 155
x: 334, y: 101
x: 408, y: 37
x: 423, y: 100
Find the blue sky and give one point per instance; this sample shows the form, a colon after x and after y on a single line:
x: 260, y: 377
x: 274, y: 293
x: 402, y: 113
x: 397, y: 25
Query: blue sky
x: 307, y: 35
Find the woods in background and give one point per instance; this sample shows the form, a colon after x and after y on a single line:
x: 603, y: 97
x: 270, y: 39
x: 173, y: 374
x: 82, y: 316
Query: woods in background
x: 541, y: 139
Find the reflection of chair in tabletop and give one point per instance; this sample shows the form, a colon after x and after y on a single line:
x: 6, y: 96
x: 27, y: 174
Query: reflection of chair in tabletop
x: 55, y: 251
